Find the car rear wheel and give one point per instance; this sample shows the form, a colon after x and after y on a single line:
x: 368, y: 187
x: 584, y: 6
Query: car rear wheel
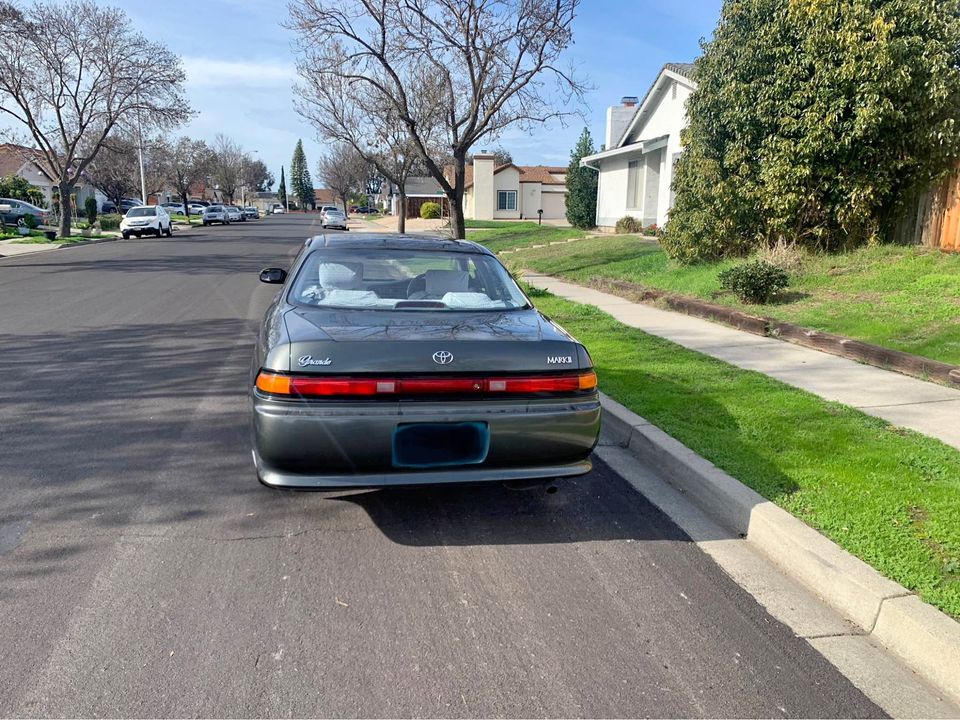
x: 21, y: 222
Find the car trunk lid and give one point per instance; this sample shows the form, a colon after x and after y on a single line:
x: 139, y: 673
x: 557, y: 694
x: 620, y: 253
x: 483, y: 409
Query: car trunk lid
x: 425, y: 342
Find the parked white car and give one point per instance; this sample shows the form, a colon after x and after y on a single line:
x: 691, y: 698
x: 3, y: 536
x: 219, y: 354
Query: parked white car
x: 234, y: 214
x: 146, y: 220
x: 277, y: 209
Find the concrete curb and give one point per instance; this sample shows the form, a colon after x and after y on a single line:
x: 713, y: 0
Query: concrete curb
x: 927, y: 640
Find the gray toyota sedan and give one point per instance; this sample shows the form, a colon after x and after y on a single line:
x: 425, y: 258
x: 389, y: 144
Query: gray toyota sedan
x: 405, y: 360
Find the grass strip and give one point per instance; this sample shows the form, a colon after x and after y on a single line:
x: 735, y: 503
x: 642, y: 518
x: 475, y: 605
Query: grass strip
x: 887, y: 495
x: 499, y: 236
x: 904, y: 298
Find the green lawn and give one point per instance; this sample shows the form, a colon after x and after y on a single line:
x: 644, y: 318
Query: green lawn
x: 43, y: 240
x: 194, y: 219
x: 508, y: 235
x: 889, y: 496
x: 906, y: 298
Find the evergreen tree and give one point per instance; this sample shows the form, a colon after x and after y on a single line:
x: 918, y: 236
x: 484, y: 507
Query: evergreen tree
x: 582, y: 185
x: 282, y: 190
x: 300, y: 181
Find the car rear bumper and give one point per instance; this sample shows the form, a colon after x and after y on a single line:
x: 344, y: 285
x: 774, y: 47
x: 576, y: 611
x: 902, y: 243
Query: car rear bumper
x: 351, y: 445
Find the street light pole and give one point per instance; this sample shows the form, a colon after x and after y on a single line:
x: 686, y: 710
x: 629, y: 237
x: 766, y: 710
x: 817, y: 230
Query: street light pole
x: 143, y: 175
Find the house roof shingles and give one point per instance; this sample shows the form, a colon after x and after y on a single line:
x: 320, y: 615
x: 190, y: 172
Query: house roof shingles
x: 528, y: 174
x: 12, y: 158
x: 324, y: 196
x: 685, y: 69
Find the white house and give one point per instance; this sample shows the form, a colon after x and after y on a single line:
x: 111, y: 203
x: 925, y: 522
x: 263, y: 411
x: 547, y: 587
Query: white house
x: 513, y: 192
x: 642, y: 147
x: 23, y: 161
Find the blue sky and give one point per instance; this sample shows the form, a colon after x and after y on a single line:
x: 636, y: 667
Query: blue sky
x: 240, y: 67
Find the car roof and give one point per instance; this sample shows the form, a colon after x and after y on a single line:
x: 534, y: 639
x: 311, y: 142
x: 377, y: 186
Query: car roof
x: 392, y: 241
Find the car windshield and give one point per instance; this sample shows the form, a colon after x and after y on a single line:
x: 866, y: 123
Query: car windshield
x: 214, y: 208
x: 405, y: 280
x: 141, y: 212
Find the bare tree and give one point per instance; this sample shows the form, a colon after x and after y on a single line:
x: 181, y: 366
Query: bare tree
x: 115, y: 170
x: 226, y: 166
x: 189, y: 162
x: 343, y: 170
x: 484, y: 64
x: 156, y: 166
x: 372, y: 128
x: 73, y: 73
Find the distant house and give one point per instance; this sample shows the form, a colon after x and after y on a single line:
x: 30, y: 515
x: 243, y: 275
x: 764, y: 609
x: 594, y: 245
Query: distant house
x: 642, y: 147
x: 25, y: 162
x: 419, y: 190
x: 323, y: 196
x: 513, y: 191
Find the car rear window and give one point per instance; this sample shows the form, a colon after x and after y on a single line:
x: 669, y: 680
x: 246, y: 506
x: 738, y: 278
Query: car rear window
x: 405, y: 280
x: 141, y: 212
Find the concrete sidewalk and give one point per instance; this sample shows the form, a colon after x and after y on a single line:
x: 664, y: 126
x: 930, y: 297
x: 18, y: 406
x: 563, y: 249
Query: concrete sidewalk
x: 915, y: 404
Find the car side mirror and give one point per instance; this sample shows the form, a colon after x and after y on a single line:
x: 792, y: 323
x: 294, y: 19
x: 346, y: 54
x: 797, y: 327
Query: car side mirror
x: 273, y: 276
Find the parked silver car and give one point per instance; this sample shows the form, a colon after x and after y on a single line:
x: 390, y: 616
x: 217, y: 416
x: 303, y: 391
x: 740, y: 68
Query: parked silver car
x: 334, y: 219
x: 234, y: 213
x: 216, y: 214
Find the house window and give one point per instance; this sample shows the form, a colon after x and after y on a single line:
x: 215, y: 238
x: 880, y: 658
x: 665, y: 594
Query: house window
x: 634, y: 185
x: 506, y: 200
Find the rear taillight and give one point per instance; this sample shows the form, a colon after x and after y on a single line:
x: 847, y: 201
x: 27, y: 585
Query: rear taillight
x: 313, y: 386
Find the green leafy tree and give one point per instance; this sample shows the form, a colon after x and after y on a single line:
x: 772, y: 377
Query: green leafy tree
x: 16, y: 188
x: 582, y: 185
x: 815, y: 122
x: 300, y: 181
x: 282, y: 189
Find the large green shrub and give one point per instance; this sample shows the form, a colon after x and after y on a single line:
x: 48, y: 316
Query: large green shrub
x: 90, y: 208
x: 582, y: 186
x: 30, y: 222
x: 756, y: 281
x: 813, y: 121
x: 430, y: 211
x: 110, y: 222
x: 16, y: 188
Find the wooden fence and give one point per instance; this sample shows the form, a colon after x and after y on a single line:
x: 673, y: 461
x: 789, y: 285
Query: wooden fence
x: 935, y: 221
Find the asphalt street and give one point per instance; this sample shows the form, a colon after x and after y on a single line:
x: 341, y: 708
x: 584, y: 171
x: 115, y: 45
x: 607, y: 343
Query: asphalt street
x: 144, y: 571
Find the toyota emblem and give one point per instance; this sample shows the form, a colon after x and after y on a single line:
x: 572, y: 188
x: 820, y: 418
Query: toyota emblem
x: 442, y: 357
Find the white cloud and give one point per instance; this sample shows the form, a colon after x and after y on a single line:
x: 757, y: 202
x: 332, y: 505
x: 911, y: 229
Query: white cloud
x: 203, y: 72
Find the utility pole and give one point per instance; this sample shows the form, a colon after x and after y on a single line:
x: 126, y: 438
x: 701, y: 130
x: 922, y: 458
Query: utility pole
x: 143, y: 175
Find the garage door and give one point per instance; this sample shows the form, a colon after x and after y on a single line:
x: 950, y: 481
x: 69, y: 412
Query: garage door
x: 554, y: 205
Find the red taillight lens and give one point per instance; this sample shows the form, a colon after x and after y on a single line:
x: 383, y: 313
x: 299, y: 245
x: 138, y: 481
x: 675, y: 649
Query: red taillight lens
x: 303, y: 386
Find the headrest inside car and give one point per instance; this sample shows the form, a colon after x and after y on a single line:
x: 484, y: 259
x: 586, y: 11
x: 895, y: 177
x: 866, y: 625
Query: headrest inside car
x: 441, y: 282
x: 340, y: 276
